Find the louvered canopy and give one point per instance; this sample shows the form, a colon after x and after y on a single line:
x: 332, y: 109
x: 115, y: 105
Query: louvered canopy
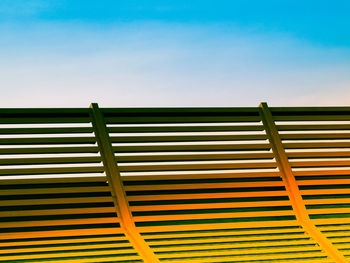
x: 175, y: 185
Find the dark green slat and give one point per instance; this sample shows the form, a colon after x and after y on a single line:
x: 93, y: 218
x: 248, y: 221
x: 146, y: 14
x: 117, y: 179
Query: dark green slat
x: 313, y: 145
x: 64, y: 259
x: 58, y: 160
x: 215, y: 128
x: 315, y: 136
x: 44, y: 140
x: 313, y: 127
x: 310, y: 110
x: 194, y: 157
x: 80, y: 112
x: 215, y: 221
x: 46, y: 130
x: 46, y: 150
x: 318, y: 154
x: 315, y: 164
x: 313, y: 118
x: 185, y: 167
x: 27, y: 120
x: 180, y: 148
x: 109, y: 252
x: 245, y: 175
x: 251, y: 111
x: 53, y: 180
x: 49, y: 170
x: 186, y: 138
x: 183, y: 119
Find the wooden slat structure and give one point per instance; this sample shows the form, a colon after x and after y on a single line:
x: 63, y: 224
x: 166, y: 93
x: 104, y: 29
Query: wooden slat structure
x: 175, y: 185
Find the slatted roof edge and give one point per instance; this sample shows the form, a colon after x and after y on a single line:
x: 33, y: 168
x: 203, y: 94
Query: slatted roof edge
x: 99, y: 117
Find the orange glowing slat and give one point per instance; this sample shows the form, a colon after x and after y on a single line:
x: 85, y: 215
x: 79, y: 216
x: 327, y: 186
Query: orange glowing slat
x: 62, y: 233
x: 206, y: 195
x: 201, y: 186
x: 209, y: 206
x: 61, y: 222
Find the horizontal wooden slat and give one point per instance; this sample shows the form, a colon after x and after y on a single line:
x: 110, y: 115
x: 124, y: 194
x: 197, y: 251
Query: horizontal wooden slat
x: 59, y: 222
x: 88, y: 189
x: 188, y: 147
x: 209, y: 206
x: 320, y: 163
x: 211, y: 175
x: 201, y: 186
x: 181, y: 111
x: 328, y: 182
x: 315, y: 127
x: 234, y: 251
x: 39, y: 120
x: 174, y: 217
x: 187, y: 128
x: 201, y: 166
x: 323, y: 154
x: 51, y: 160
x: 47, y: 140
x: 46, y: 130
x: 61, y: 233
x: 187, y: 138
x: 115, y: 258
x: 329, y: 211
x: 50, y: 170
x: 46, y: 150
x: 221, y: 259
x: 315, y: 136
x: 327, y: 201
x: 205, y: 195
x: 321, y: 172
x: 275, y: 234
x: 53, y: 249
x: 231, y: 225
x: 192, y: 157
x: 53, y: 201
x: 315, y: 252
x: 181, y: 119
x: 53, y: 211
x: 313, y: 145
x: 42, y: 112
x: 33, y: 181
x: 310, y: 110
x: 331, y: 221
x: 25, y: 243
x: 64, y: 249
x: 312, y: 117
x: 325, y: 191
x: 67, y: 255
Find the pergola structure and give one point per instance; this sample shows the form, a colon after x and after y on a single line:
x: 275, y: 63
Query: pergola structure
x: 175, y: 185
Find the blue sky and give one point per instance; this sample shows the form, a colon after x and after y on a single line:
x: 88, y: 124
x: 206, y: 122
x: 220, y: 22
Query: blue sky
x: 174, y: 53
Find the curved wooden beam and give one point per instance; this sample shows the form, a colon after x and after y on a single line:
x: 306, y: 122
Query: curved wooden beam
x: 292, y: 187
x: 119, y: 197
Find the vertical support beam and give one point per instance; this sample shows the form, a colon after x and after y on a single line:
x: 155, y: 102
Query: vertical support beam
x: 120, y: 201
x: 292, y: 186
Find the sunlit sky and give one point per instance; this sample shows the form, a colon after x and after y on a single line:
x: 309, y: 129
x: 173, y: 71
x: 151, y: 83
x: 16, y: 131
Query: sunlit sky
x: 174, y: 53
